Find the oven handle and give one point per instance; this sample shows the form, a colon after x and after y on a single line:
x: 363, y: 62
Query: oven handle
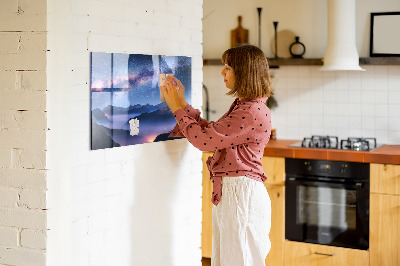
x: 357, y: 185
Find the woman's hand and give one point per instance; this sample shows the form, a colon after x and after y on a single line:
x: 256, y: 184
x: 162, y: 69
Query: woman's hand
x: 181, y: 91
x: 171, y: 95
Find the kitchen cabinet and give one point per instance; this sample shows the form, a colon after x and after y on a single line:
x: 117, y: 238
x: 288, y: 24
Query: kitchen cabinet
x: 305, y: 254
x: 385, y: 215
x: 385, y: 178
x: 274, y: 168
x: 206, y: 225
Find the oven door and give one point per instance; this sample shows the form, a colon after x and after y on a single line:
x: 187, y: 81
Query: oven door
x: 327, y: 213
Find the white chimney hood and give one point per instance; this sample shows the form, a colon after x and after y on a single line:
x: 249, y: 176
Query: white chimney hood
x: 341, y: 51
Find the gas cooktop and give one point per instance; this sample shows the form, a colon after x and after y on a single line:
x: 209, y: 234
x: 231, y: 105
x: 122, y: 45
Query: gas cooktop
x: 332, y: 142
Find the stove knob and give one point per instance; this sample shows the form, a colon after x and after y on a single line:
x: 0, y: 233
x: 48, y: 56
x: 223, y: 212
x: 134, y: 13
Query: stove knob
x: 343, y: 168
x: 308, y: 166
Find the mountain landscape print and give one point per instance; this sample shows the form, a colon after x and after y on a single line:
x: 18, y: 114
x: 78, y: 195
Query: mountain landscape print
x: 125, y: 97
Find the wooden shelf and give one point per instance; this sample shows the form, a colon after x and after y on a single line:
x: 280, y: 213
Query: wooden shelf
x: 380, y: 61
x: 274, y: 63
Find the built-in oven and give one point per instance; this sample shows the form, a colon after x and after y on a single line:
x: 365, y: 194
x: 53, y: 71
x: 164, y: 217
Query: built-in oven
x: 327, y: 202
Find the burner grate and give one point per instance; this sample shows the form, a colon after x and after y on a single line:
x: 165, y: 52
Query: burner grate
x: 327, y: 142
x: 358, y: 144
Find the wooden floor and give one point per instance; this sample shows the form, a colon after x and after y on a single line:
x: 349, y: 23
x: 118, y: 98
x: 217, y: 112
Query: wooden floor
x: 206, y: 261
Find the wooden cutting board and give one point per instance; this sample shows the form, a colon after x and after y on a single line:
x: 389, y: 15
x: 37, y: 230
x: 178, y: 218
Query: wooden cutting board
x: 239, y: 35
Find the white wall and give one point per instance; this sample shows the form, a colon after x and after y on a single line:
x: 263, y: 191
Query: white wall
x: 311, y: 102
x: 306, y: 19
x: 23, y: 133
x: 134, y: 205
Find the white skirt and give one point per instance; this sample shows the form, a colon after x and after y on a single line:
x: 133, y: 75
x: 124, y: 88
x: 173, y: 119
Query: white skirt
x: 241, y: 223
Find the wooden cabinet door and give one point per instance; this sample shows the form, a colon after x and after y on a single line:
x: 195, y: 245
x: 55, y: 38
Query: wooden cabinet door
x: 274, y: 168
x: 206, y: 226
x: 384, y: 237
x: 304, y: 254
x: 277, y: 233
x: 385, y: 178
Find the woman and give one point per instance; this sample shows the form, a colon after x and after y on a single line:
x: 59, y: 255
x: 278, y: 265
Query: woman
x: 242, y: 208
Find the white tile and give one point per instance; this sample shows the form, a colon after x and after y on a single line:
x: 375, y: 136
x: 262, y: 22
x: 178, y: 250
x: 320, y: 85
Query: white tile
x: 381, y: 84
x: 342, y: 81
x: 355, y: 96
x: 367, y: 96
x: 394, y: 123
x: 292, y: 82
x: 367, y: 133
x: 329, y: 109
x: 354, y: 80
x: 304, y: 109
x: 355, y: 122
x: 355, y: 109
x: 316, y: 72
x: 304, y: 72
x: 367, y: 83
x: 367, y: 123
x: 328, y: 74
x: 303, y: 82
x: 342, y: 96
x: 317, y: 107
x: 278, y: 83
x: 293, y: 120
x: 317, y: 95
x: 380, y: 71
x: 381, y: 110
x: 342, y: 133
x: 394, y: 70
x: 394, y: 83
x: 342, y: 122
x: 381, y: 123
x: 329, y: 94
x: 317, y: 120
x: 355, y: 132
x: 369, y: 70
x: 279, y: 72
x: 317, y: 131
x: 394, y: 97
x: 329, y: 122
x: 368, y: 110
x: 394, y: 110
x: 316, y: 82
x: 342, y: 109
x: 291, y: 71
x: 394, y: 137
x: 381, y: 97
x: 382, y: 136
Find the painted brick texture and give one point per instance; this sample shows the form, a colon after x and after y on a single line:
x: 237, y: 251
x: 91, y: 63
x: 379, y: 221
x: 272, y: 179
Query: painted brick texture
x: 134, y: 205
x: 23, y: 132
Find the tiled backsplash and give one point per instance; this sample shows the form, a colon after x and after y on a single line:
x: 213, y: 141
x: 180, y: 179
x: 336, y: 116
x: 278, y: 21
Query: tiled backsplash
x: 314, y: 102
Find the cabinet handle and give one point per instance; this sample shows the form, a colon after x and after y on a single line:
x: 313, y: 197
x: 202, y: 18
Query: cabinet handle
x: 324, y: 254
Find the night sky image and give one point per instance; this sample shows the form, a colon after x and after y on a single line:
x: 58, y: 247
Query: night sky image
x: 125, y: 97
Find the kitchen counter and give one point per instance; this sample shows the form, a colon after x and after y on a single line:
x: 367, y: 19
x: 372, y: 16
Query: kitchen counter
x: 389, y: 154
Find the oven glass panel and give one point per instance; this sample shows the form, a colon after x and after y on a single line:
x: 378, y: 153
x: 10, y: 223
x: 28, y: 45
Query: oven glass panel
x: 326, y: 207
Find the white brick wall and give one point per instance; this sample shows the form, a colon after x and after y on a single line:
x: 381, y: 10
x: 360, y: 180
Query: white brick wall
x: 135, y: 205
x: 23, y: 132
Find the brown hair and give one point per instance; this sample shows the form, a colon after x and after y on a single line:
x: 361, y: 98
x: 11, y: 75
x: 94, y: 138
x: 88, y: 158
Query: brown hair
x: 250, y: 66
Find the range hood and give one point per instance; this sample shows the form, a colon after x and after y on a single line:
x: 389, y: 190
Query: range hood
x: 341, y: 51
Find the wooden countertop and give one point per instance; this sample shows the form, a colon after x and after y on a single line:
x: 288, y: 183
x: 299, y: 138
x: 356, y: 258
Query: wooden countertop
x: 389, y: 154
